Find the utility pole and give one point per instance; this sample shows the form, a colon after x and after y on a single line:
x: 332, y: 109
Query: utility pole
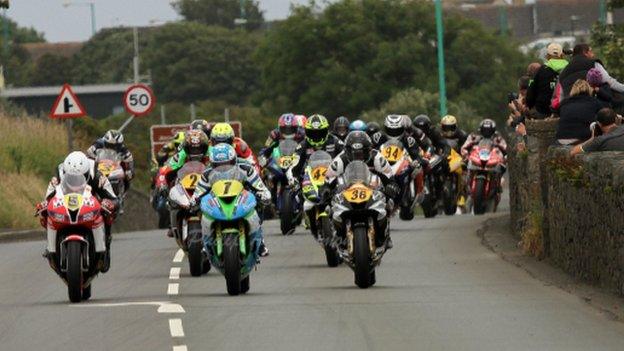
x: 441, y: 69
x: 135, y: 59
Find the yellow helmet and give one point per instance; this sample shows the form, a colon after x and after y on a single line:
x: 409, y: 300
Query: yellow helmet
x: 222, y: 133
x: 449, y: 125
x: 179, y: 138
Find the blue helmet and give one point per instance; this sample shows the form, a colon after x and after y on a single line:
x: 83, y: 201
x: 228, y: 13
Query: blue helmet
x: 358, y: 124
x: 222, y: 154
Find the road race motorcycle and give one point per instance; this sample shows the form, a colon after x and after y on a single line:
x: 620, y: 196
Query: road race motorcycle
x: 287, y: 201
x: 109, y: 164
x: 357, y: 208
x: 404, y: 174
x: 320, y: 223
x: 74, y: 211
x: 433, y: 184
x: 227, y: 211
x: 453, y: 184
x: 187, y: 230
x: 485, y: 169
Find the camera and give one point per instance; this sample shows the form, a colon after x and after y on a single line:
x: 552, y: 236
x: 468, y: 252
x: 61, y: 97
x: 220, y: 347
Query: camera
x: 511, y: 97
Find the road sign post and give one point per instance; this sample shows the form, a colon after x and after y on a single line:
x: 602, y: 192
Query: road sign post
x: 67, y: 106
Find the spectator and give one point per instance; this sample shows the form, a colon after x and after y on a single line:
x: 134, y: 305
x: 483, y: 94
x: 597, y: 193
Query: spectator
x: 583, y: 60
x: 541, y: 90
x: 532, y: 69
x: 577, y: 113
x: 601, y: 88
x: 612, y: 138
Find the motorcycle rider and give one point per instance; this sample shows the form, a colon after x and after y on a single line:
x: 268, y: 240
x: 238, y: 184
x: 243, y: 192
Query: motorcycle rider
x: 317, y: 137
x: 454, y: 136
x: 223, y: 154
x: 358, y: 124
x: 288, y: 128
x: 169, y: 149
x: 340, y: 128
x: 77, y: 164
x: 224, y: 133
x: 359, y: 147
x: 487, y: 130
x: 423, y: 122
x: 201, y: 124
x: 373, y: 129
x: 114, y: 140
x: 413, y: 139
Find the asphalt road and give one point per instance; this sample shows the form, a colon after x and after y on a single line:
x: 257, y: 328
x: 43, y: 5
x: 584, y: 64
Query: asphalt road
x: 438, y: 289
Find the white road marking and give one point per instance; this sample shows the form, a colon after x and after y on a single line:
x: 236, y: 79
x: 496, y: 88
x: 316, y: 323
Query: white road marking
x: 175, y: 327
x: 180, y: 348
x: 174, y: 273
x: 178, y: 256
x: 163, y: 307
x: 173, y: 289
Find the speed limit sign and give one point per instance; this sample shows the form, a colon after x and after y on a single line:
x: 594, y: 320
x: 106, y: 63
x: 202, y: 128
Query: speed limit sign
x: 139, y: 100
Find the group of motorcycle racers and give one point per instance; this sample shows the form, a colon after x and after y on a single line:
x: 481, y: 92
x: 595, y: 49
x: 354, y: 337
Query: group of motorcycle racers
x: 344, y: 181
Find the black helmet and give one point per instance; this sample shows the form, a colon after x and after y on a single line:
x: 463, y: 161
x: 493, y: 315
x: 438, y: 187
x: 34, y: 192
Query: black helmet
x: 358, y: 146
x: 341, y: 127
x: 422, y: 122
x: 487, y: 128
x: 372, y: 128
x: 201, y: 124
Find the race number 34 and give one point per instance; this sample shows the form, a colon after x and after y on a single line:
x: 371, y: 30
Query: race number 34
x: 139, y: 100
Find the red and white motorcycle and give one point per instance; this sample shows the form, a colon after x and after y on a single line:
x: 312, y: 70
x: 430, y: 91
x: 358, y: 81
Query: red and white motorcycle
x: 486, y: 165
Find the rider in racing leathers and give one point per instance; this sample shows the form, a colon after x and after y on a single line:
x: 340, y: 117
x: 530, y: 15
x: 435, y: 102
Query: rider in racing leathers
x: 288, y: 128
x: 224, y: 133
x: 114, y: 140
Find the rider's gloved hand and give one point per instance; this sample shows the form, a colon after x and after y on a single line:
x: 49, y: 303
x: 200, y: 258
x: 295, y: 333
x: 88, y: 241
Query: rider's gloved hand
x: 109, y: 206
x: 129, y: 175
x: 392, y: 190
x: 262, y: 161
x: 41, y: 210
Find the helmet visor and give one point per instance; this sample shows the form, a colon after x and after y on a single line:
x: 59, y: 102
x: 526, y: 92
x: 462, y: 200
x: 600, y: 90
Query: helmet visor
x: 287, y: 130
x: 317, y: 135
x: 395, y: 132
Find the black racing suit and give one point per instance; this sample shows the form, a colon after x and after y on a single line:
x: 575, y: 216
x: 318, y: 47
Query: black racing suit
x: 127, y: 160
x: 413, y: 141
x: 332, y: 146
x: 456, y: 140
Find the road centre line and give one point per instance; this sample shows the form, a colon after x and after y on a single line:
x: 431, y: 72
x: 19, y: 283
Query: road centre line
x: 175, y: 327
x: 180, y: 348
x: 174, y: 273
x: 178, y: 256
x: 173, y: 289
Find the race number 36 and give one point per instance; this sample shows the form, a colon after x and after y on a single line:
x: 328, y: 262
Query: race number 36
x: 139, y: 100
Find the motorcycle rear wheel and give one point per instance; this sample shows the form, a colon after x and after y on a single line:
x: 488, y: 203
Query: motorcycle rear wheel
x: 406, y: 213
x: 479, y: 200
x: 287, y: 213
x: 361, y: 259
x: 195, y: 247
x: 74, y: 271
x: 429, y: 206
x: 450, y: 198
x: 331, y: 254
x: 232, y: 265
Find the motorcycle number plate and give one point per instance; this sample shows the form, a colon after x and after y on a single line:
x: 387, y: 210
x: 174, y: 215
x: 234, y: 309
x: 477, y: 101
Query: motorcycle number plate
x: 73, y: 201
x: 318, y: 174
x: 285, y: 161
x: 392, y: 153
x: 357, y: 194
x: 227, y: 188
x: 190, y: 180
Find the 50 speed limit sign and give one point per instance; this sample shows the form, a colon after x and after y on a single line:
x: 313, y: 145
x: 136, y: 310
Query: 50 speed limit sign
x: 139, y: 100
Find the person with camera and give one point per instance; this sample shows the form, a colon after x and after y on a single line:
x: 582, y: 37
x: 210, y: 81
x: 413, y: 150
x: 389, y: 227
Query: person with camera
x: 541, y: 89
x: 577, y: 113
x: 606, y: 134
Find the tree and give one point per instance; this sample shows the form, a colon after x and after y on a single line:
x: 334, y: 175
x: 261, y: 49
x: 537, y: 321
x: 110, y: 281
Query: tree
x: 608, y: 40
x: 220, y: 12
x: 190, y: 62
x: 356, y: 54
x: 51, y: 70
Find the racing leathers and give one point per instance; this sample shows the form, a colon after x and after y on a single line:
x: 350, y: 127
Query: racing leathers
x: 127, y: 160
x: 168, y: 172
x: 474, y: 138
x: 274, y: 139
x: 456, y: 140
x: 244, y: 151
x: 413, y: 143
x: 167, y: 151
x: 332, y: 146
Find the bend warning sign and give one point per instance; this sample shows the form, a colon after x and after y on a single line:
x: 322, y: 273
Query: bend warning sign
x: 67, y: 105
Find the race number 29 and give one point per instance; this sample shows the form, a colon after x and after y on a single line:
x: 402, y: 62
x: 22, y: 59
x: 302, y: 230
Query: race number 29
x: 139, y: 100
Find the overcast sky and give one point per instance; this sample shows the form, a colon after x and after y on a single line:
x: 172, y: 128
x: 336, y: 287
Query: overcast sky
x: 73, y: 23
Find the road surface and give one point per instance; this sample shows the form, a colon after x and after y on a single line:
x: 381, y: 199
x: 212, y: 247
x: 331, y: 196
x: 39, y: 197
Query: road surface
x: 438, y: 289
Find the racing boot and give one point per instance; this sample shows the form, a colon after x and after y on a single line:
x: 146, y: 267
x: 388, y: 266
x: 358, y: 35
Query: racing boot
x: 107, y: 254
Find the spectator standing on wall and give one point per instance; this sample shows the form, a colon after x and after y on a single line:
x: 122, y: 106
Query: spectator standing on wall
x: 583, y: 60
x: 577, y: 113
x: 542, y: 86
x: 602, y: 90
x: 612, y: 138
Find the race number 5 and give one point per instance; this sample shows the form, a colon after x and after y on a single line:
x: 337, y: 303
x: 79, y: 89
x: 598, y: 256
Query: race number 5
x: 139, y: 100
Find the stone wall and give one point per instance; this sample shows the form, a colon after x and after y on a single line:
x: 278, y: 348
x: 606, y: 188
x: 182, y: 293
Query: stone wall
x: 574, y: 204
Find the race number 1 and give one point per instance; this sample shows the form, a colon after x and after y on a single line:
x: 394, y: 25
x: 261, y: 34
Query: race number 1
x: 139, y: 100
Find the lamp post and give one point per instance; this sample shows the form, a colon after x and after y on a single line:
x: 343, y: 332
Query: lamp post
x: 90, y: 4
x: 441, y: 69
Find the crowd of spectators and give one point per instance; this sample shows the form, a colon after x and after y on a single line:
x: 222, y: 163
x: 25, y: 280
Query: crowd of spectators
x: 576, y: 88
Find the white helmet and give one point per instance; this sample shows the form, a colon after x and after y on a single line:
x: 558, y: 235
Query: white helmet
x: 76, y: 163
x: 394, y: 125
x: 113, y: 137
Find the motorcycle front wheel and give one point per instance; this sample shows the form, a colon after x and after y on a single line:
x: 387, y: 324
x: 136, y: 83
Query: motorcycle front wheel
x: 450, y: 196
x: 232, y: 265
x: 74, y: 271
x: 287, y: 213
x: 479, y: 199
x: 331, y: 254
x: 195, y: 247
x: 361, y: 259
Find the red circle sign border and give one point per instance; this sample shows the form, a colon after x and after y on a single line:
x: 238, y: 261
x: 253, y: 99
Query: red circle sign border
x: 152, y: 96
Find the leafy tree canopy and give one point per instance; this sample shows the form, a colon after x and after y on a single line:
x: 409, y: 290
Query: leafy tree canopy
x: 221, y: 13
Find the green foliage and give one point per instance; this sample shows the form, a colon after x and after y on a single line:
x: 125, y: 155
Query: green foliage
x: 356, y: 54
x: 191, y: 62
x: 50, y: 69
x: 21, y: 35
x: 220, y: 12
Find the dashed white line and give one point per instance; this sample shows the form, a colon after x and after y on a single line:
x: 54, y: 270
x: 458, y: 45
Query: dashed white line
x: 178, y: 256
x: 175, y: 327
x: 180, y: 348
x: 174, y: 273
x: 173, y: 289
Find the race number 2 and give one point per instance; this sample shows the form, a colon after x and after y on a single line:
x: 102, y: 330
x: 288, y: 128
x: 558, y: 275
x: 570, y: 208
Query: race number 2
x: 139, y: 99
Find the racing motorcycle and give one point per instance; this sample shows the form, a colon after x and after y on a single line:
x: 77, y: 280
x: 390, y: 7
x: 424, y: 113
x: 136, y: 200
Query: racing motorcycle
x: 485, y: 168
x: 453, y: 183
x: 433, y: 181
x: 187, y: 230
x: 320, y: 224
x: 230, y: 246
x: 287, y: 201
x: 73, y: 211
x: 109, y: 164
x: 357, y: 207
x: 404, y: 175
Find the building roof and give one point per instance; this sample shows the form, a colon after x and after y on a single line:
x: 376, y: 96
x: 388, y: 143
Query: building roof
x: 55, y: 90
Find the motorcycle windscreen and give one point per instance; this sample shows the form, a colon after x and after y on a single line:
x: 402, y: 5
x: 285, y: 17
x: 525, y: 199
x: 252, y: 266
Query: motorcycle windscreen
x: 357, y: 172
x: 106, y: 154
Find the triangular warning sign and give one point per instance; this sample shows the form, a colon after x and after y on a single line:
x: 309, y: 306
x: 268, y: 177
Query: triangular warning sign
x: 67, y: 105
